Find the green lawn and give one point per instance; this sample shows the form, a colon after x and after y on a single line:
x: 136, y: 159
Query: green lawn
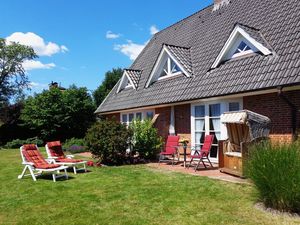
x: 125, y: 195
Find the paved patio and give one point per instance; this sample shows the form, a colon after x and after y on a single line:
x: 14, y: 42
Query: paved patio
x: 213, y: 173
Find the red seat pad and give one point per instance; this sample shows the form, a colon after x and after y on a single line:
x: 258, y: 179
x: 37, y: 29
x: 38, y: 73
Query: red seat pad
x: 66, y: 160
x: 55, y: 149
x: 31, y: 154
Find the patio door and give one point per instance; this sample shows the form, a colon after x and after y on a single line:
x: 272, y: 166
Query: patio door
x: 207, y: 121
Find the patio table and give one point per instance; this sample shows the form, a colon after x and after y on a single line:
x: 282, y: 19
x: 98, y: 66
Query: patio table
x: 185, y: 147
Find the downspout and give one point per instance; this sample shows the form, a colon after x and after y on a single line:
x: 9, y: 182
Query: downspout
x: 294, y: 111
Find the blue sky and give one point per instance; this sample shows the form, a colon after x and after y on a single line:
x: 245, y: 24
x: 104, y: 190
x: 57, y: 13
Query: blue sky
x: 78, y: 41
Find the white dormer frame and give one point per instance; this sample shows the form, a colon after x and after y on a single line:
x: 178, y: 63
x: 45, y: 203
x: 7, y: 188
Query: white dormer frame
x: 251, y: 42
x: 160, y: 63
x: 124, y: 82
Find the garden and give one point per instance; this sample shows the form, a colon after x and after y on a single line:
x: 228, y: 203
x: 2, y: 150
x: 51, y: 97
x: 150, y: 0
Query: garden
x: 121, y: 188
x: 129, y: 194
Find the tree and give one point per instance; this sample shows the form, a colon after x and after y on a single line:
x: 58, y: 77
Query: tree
x: 110, y: 80
x: 13, y: 78
x: 57, y: 114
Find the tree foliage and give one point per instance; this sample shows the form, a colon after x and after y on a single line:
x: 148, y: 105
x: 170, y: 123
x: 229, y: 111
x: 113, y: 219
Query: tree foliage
x: 13, y: 78
x: 110, y: 80
x: 57, y: 114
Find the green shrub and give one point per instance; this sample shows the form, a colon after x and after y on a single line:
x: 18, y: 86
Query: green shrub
x: 108, y: 141
x: 275, y: 170
x: 146, y: 140
x: 17, y: 143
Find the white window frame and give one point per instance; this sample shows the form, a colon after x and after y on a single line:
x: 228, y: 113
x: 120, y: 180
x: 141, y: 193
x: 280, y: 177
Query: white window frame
x: 232, y: 43
x: 124, y: 82
x: 224, y: 107
x: 143, y: 112
x: 169, y: 70
x: 160, y: 62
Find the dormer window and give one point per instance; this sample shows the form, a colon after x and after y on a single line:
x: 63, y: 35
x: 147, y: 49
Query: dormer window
x: 128, y: 85
x: 242, y: 49
x: 242, y: 41
x: 172, y: 61
x: 129, y: 79
x: 170, y: 69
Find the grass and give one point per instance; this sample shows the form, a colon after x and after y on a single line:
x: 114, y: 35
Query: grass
x: 125, y: 195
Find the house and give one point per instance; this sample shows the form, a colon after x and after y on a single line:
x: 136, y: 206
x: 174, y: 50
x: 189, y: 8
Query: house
x: 232, y: 55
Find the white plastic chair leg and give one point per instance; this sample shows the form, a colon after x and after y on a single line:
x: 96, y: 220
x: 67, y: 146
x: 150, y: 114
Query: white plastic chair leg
x: 23, y: 173
x: 54, y: 177
x: 74, y: 169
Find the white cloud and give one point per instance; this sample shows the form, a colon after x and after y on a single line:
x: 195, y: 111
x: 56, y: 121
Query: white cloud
x: 64, y: 49
x: 33, y: 65
x: 153, y: 30
x: 37, y: 85
x: 132, y: 50
x: 111, y: 35
x: 37, y: 43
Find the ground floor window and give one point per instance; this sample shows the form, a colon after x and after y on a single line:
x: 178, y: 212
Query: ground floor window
x: 128, y: 117
x: 206, y: 119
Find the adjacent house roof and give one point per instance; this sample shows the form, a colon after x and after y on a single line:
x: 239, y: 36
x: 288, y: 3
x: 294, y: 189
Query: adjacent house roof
x: 273, y: 23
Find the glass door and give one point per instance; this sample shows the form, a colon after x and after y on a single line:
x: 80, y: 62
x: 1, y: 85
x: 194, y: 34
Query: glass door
x: 214, y: 129
x: 207, y: 120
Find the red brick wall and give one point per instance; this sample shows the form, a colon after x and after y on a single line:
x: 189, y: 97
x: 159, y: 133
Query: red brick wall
x: 183, y: 121
x: 277, y: 110
x: 163, y: 121
x: 113, y: 116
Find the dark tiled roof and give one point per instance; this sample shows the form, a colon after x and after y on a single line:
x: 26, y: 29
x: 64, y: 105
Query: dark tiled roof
x: 206, y: 32
x: 183, y: 55
x: 134, y: 76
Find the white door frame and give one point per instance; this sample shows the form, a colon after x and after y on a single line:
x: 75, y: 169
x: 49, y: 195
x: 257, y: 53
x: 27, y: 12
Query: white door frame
x: 224, y: 106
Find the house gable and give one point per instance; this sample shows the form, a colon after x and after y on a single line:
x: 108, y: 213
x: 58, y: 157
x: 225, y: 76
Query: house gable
x: 172, y: 61
x: 242, y: 41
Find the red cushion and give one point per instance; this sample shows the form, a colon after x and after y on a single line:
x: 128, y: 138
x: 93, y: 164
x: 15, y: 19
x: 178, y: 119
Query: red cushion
x: 32, y: 154
x: 55, y: 149
x: 66, y: 160
x: 47, y: 166
x: 29, y: 147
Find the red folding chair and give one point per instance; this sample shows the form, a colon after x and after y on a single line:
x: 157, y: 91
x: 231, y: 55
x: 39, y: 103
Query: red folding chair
x: 171, y: 149
x: 203, y: 154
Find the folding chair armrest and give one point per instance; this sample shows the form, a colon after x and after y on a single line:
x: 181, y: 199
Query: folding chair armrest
x: 28, y: 163
x: 70, y: 156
